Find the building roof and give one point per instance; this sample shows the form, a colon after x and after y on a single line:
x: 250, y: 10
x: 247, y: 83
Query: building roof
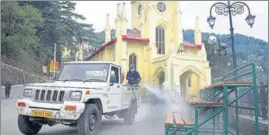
x: 186, y: 44
x: 142, y: 40
x: 113, y: 41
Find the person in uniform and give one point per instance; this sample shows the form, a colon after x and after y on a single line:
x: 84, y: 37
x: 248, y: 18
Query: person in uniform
x: 133, y: 76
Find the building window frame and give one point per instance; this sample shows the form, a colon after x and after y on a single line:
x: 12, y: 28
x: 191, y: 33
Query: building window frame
x: 160, y: 40
x: 133, y: 60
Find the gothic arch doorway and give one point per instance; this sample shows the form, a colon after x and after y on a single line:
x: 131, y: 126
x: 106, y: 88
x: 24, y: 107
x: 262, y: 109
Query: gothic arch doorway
x: 159, y: 77
x: 189, y: 84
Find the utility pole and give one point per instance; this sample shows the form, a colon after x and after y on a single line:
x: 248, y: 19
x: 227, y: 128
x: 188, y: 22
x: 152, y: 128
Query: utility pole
x: 54, y: 61
x: 81, y: 51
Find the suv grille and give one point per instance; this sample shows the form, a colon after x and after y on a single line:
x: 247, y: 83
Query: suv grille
x: 49, y: 95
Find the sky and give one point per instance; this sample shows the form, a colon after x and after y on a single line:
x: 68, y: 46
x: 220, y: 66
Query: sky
x: 96, y: 11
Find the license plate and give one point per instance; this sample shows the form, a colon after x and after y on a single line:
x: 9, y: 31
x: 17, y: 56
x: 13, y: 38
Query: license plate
x: 44, y: 114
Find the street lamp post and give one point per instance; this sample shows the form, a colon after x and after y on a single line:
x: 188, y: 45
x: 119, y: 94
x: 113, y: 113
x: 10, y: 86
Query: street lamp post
x: 236, y: 8
x: 219, y: 48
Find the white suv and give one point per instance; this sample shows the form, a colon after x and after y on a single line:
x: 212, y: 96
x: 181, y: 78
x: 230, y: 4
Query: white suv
x: 81, y: 94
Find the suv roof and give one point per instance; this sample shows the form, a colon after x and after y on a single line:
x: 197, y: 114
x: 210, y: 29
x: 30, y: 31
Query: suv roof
x: 88, y: 62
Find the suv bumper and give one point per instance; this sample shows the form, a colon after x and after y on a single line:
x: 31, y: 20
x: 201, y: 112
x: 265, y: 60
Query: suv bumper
x: 65, y: 111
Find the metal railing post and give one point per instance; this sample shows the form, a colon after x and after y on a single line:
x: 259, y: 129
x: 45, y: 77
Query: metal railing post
x: 255, y: 96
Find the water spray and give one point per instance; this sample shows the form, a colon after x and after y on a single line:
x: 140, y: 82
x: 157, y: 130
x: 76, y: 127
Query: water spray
x: 174, y: 104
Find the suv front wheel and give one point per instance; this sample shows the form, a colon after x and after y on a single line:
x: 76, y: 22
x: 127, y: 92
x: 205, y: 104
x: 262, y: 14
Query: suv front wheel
x: 89, y: 121
x: 28, y: 127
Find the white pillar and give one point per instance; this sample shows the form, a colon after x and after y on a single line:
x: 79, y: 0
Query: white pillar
x: 107, y: 30
x: 169, y: 68
x: 124, y: 19
x: 197, y: 32
x: 118, y: 34
x: 179, y: 23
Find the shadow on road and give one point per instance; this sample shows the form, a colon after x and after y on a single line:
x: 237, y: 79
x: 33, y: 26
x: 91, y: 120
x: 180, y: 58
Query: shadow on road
x: 149, y: 121
x: 70, y: 131
x: 108, y: 125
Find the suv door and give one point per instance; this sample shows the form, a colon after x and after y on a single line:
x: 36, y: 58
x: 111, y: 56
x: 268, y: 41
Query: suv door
x: 114, y: 93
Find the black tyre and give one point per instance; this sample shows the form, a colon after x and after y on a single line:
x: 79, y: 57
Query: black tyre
x: 90, y: 120
x: 27, y: 127
x: 129, y: 115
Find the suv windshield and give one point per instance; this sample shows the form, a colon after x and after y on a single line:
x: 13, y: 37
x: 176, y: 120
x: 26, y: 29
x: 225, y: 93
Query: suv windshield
x: 84, y: 72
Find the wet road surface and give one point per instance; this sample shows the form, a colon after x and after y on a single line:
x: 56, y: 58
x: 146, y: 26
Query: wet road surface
x: 149, y: 120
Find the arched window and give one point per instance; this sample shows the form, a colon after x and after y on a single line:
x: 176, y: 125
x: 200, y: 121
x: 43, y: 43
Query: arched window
x: 160, y: 40
x: 132, y: 60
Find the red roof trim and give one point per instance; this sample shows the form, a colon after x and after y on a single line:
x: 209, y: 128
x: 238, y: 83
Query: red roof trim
x: 190, y: 45
x: 194, y: 47
x: 186, y: 44
x: 143, y: 40
x: 102, y: 47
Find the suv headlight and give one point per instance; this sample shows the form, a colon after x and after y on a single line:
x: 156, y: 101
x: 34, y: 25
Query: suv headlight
x: 27, y: 93
x: 75, y: 95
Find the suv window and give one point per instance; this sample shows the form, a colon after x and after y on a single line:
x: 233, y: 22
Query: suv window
x: 84, y: 71
x: 116, y: 71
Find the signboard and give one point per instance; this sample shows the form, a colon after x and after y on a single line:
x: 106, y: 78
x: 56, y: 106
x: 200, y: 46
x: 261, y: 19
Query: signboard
x: 52, y: 66
x: 134, y: 33
x: 44, y: 69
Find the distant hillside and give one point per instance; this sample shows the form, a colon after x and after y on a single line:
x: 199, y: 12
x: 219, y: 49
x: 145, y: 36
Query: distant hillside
x: 248, y: 49
x: 241, y: 42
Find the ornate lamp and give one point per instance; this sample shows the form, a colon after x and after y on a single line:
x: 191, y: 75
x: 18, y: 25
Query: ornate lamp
x: 230, y: 9
x: 211, y: 21
x: 250, y: 20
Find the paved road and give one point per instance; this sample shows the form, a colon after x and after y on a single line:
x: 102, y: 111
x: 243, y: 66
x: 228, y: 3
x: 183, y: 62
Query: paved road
x: 149, y: 121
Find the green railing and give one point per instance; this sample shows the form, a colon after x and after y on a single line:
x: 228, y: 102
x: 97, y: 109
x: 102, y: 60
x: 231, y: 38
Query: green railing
x: 243, y: 77
x: 235, y: 77
x: 239, y: 73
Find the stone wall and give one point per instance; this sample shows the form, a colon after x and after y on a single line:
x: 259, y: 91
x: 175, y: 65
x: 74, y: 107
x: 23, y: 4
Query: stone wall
x: 18, y: 76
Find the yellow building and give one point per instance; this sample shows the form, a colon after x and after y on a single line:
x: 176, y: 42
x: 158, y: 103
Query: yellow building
x: 156, y: 47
